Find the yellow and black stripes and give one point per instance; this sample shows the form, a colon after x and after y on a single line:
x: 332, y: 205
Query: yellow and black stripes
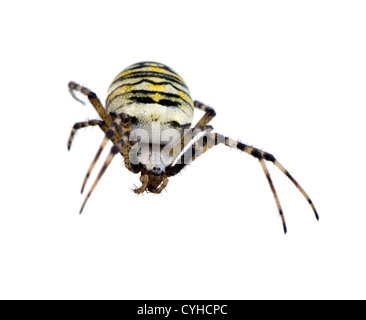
x: 147, y: 95
x: 150, y: 83
x: 150, y: 70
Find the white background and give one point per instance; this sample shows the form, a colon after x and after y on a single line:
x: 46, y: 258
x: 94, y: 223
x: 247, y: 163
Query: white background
x: 288, y: 77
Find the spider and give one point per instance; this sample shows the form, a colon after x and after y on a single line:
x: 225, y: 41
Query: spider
x: 144, y: 101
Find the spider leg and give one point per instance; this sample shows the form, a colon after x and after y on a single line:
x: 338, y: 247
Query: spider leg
x: 108, y: 135
x: 93, y: 100
x: 79, y: 125
x: 268, y: 176
x: 114, y: 150
x: 212, y: 139
x: 117, y: 148
x: 279, y: 166
x: 208, y: 116
x: 188, y: 137
x: 201, y: 126
x: 269, y: 157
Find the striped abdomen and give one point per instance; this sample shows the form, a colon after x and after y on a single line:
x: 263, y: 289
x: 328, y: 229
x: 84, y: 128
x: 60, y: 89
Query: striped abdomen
x: 151, y: 92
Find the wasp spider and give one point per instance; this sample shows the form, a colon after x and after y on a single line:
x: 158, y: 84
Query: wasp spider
x: 147, y: 100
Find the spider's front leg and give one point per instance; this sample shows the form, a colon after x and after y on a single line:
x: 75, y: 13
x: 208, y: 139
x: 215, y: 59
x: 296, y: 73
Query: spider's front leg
x: 122, y: 121
x: 210, y: 140
x: 94, y: 100
x: 85, y: 124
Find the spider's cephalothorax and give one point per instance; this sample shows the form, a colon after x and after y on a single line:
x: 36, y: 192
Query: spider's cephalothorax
x: 148, y: 118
